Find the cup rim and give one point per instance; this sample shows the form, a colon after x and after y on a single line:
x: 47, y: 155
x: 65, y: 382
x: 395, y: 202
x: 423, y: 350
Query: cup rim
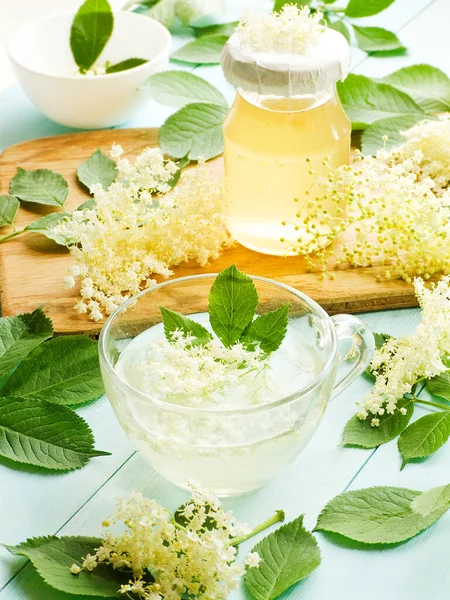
x: 190, y: 410
x: 165, y: 50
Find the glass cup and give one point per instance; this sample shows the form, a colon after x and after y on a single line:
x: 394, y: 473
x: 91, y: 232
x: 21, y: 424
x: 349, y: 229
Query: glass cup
x: 231, y: 451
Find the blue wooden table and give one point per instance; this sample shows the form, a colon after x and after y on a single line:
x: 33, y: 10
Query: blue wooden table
x: 33, y: 503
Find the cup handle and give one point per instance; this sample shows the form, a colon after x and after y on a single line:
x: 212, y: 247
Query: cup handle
x: 356, y: 347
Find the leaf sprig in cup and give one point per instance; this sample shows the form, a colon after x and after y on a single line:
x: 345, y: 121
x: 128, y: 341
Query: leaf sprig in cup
x: 225, y: 362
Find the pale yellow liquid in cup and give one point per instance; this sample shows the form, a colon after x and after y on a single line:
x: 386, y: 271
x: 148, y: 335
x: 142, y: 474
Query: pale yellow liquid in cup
x: 230, y: 454
x: 266, y: 166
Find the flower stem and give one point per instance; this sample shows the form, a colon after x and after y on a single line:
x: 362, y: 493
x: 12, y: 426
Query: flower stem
x: 276, y: 518
x: 11, y: 235
x: 435, y: 404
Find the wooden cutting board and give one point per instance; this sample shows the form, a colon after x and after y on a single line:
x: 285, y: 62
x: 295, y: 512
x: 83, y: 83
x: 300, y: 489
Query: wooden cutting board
x: 32, y: 267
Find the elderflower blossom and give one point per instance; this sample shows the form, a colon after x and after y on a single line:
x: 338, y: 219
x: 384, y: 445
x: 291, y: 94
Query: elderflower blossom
x: 189, y: 555
x: 192, y: 374
x: 378, y: 211
x: 400, y: 363
x: 430, y: 141
x: 253, y: 559
x: 140, y: 227
x: 292, y: 29
x: 75, y: 569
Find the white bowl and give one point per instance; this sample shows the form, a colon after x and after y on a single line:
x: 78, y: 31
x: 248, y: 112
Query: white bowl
x: 44, y: 65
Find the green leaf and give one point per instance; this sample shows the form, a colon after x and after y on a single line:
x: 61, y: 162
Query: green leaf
x: 424, y: 436
x: 373, y: 39
x: 179, y: 516
x: 217, y: 29
x: 380, y: 339
x: 139, y: 4
x: 162, y: 11
x: 52, y: 558
x: 203, y: 51
x: 20, y: 335
x: 428, y: 86
x: 99, y: 168
x: 440, y: 386
x: 45, y: 224
x: 41, y: 186
x: 366, y: 101
x: 372, y: 137
x: 232, y: 303
x: 278, y: 4
x: 267, y: 330
x: 287, y: 555
x: 189, y: 11
x: 342, y: 28
x: 428, y: 502
x: 46, y: 435
x: 125, y: 65
x: 64, y: 370
x: 183, y: 162
x: 360, y: 433
x: 9, y: 205
x: 375, y: 515
x: 194, y: 131
x: 91, y: 29
x: 88, y: 205
x: 175, y: 321
x: 178, y: 88
x: 366, y: 8
x: 401, y: 51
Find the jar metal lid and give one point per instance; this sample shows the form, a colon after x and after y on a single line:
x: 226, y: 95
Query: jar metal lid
x: 286, y: 73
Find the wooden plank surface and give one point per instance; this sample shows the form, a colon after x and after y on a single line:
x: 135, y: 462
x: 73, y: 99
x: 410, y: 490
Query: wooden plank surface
x: 32, y: 267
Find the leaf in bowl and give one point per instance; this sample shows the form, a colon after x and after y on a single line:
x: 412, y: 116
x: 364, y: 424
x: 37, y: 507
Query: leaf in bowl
x: 91, y: 29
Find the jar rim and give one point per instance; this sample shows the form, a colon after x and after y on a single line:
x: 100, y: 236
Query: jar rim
x: 189, y: 410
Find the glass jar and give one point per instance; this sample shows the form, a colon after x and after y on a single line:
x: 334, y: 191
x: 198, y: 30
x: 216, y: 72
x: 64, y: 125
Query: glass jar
x: 285, y: 130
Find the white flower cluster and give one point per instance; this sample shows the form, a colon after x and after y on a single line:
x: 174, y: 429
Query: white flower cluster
x: 432, y: 140
x: 190, y: 374
x: 172, y: 557
x: 139, y: 227
x: 400, y: 363
x: 381, y: 210
x: 293, y: 29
